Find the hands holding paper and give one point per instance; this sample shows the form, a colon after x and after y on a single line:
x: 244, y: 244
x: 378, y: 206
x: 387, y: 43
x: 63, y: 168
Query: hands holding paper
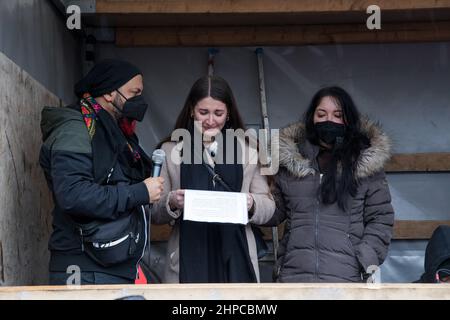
x: 176, y: 200
x: 250, y: 202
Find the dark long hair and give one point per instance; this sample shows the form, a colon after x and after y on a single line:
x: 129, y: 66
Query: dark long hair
x: 216, y: 88
x: 339, y: 185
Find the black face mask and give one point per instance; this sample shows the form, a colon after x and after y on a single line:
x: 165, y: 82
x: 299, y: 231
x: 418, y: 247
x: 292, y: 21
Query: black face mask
x: 329, y: 131
x: 133, y: 108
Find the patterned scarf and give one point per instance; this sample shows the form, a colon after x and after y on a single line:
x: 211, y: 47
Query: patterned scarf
x: 89, y: 110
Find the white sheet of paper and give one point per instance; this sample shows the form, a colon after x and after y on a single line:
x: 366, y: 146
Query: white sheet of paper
x: 215, y: 206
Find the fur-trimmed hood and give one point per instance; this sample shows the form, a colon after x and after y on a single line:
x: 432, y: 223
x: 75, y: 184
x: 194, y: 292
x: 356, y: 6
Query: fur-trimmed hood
x: 371, y: 160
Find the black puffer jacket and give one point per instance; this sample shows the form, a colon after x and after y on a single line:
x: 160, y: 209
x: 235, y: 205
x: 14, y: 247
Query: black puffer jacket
x: 437, y: 252
x: 322, y: 243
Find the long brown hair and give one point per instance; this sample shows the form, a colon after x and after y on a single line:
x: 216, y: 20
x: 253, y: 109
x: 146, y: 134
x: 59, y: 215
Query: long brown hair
x: 216, y: 88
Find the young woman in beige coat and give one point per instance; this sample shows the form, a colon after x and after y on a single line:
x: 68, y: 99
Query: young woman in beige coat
x: 211, y: 252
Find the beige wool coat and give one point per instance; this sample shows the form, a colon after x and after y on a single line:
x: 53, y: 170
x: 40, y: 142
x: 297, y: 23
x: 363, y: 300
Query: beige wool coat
x: 253, y: 183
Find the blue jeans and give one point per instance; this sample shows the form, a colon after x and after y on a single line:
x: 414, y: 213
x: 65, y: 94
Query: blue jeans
x: 88, y: 278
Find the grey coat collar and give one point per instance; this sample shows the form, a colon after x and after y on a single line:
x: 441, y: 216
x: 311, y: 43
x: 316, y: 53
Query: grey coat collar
x: 298, y: 162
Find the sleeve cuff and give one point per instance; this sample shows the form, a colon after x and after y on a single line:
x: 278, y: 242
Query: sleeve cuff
x: 174, y: 214
x: 251, y: 211
x: 366, y: 256
x: 139, y: 194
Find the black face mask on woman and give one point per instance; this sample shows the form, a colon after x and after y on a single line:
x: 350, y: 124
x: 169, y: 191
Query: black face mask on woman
x: 329, y: 131
x: 133, y: 108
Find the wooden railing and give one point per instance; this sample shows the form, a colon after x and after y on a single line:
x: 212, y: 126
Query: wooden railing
x: 204, y: 292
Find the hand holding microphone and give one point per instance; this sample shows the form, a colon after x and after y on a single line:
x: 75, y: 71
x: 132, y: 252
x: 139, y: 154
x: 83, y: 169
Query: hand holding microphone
x: 155, y: 183
x: 154, y: 188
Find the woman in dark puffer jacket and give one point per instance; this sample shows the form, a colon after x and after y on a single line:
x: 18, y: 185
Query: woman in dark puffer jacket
x: 332, y: 191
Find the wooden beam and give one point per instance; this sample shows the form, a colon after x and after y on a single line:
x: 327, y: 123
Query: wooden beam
x: 282, y: 35
x: 416, y: 230
x: 231, y: 291
x: 403, y: 230
x: 160, y: 232
x: 267, y: 232
x: 261, y: 6
x: 419, y: 162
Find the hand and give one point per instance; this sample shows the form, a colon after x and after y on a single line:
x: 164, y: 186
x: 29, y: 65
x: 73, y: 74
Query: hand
x: 176, y: 200
x: 154, y: 188
x: 250, y: 201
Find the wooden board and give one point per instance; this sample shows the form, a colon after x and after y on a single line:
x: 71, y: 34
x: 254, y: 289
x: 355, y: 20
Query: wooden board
x: 260, y: 291
x: 160, y: 232
x: 416, y: 230
x: 419, y: 162
x: 117, y: 13
x: 403, y: 230
x: 282, y: 35
x: 25, y: 201
x: 261, y: 6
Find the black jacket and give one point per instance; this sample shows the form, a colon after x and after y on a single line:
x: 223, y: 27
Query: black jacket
x: 66, y: 158
x: 438, y: 250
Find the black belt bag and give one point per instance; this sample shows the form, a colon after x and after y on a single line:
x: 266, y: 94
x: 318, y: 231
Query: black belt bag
x: 114, y: 242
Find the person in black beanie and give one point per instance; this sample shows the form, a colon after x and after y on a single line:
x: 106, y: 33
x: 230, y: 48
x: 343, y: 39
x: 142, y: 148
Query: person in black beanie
x: 437, y: 257
x: 99, y: 177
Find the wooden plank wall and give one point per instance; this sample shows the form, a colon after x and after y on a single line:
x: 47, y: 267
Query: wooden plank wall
x: 25, y: 201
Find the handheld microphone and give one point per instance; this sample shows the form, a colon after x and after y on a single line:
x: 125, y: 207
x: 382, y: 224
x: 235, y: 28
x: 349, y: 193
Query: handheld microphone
x: 158, y: 158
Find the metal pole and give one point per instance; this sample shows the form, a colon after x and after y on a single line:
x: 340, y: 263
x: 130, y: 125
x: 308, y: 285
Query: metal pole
x: 211, y: 54
x: 265, y: 120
